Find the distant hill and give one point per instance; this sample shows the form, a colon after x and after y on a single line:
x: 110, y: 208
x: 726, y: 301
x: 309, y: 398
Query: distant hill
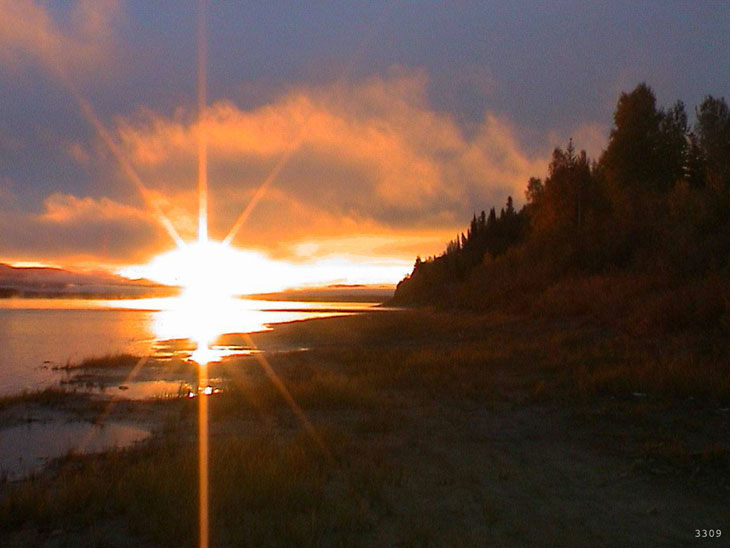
x: 47, y: 281
x: 332, y: 293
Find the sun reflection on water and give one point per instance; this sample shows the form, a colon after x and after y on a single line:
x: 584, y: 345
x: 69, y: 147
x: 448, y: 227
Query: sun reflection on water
x: 202, y: 320
x: 199, y: 320
x: 206, y: 328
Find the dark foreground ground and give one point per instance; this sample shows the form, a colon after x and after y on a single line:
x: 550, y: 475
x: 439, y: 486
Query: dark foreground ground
x: 429, y: 429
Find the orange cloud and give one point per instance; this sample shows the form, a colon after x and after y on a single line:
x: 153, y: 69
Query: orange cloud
x: 78, y: 153
x: 65, y: 208
x: 370, y: 171
x: 80, y: 230
x: 370, y: 156
x: 28, y: 33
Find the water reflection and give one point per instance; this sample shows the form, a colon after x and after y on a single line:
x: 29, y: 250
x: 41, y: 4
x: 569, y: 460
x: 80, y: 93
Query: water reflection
x: 38, y: 335
x: 197, y: 324
x: 203, y: 321
x: 27, y: 448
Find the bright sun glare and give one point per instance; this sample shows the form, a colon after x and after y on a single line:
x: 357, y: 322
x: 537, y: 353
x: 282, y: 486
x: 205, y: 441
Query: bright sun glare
x: 212, y: 270
x: 210, y: 274
x: 218, y: 268
x: 206, y: 270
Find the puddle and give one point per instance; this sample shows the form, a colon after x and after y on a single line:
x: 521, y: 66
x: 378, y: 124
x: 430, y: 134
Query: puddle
x: 144, y: 390
x: 147, y: 390
x: 29, y: 447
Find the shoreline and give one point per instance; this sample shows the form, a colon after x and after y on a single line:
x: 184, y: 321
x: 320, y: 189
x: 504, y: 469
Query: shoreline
x: 447, y: 427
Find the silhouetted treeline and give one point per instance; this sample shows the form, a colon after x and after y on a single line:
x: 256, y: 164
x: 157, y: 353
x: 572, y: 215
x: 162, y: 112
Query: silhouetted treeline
x: 490, y: 235
x: 655, y: 207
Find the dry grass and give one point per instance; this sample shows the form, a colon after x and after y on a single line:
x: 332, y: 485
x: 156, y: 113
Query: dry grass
x: 49, y: 397
x: 479, y: 356
x: 108, y: 361
x: 265, y: 492
x: 359, y: 383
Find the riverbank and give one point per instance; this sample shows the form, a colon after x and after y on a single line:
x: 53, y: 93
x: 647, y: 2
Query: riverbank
x: 429, y: 428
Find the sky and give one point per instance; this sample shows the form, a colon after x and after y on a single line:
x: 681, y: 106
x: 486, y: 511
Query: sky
x: 381, y: 127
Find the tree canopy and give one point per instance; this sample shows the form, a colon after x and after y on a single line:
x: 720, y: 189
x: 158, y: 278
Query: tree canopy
x: 655, y: 201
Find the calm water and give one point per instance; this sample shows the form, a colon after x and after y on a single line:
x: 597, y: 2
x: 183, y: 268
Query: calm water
x: 29, y: 447
x: 38, y: 334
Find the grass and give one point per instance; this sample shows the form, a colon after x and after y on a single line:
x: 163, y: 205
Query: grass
x: 369, y: 382
x: 265, y: 492
x: 49, y: 397
x: 643, y: 305
x: 482, y: 356
x: 107, y: 361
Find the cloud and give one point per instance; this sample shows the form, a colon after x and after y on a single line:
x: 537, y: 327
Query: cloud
x: 82, y: 229
x: 78, y: 152
x: 7, y: 195
x: 370, y: 156
x: 66, y: 209
x: 368, y: 170
x: 28, y: 33
x: 93, y: 19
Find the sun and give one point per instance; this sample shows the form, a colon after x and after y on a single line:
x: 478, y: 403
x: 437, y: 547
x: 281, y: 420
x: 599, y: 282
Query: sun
x: 205, y: 270
x: 211, y: 270
x: 208, y: 270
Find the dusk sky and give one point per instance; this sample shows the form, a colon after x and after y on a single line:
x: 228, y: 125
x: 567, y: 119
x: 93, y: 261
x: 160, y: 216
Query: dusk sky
x: 391, y: 123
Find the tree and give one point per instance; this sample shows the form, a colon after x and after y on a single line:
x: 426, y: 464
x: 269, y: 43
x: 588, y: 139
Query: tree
x: 713, y: 137
x: 647, y: 149
x: 694, y: 163
x: 631, y: 156
x: 534, y: 191
x: 510, y: 210
x: 672, y: 146
x: 562, y: 200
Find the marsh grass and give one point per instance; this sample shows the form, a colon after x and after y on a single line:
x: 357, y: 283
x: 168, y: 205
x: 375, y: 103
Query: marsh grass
x: 67, y: 401
x: 49, y: 397
x: 640, y: 304
x: 265, y: 491
x: 567, y: 358
x: 563, y: 357
x: 673, y: 457
x: 107, y: 361
x: 363, y: 382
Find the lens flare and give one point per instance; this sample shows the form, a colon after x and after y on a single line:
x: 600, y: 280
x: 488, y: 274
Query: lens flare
x: 202, y: 131
x: 200, y: 286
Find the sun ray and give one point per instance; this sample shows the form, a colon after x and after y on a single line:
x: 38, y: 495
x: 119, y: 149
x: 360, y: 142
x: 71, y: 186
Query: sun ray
x: 202, y: 130
x: 203, y: 480
x: 261, y: 191
x: 90, y: 114
x: 291, y: 402
x: 149, y: 200
x: 112, y: 402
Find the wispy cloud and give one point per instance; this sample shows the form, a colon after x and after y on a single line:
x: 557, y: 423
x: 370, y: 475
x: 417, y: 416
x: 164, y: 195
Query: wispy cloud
x: 376, y: 171
x: 70, y: 228
x: 372, y: 154
x: 29, y: 34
